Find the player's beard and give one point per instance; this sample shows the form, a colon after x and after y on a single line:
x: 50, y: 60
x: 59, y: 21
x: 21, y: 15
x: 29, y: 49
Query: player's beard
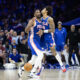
x: 38, y: 17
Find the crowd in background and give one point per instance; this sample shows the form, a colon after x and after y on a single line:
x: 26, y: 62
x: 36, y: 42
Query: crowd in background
x: 17, y: 12
x: 14, y: 16
x: 10, y: 40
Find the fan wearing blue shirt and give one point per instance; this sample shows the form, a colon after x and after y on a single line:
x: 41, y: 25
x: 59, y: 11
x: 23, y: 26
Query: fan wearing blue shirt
x: 16, y: 58
x: 60, y: 39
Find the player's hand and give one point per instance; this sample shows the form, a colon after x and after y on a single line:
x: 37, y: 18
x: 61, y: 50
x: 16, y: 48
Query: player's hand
x: 40, y: 33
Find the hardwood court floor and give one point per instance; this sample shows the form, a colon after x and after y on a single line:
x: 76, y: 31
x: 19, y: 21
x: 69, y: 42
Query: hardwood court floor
x: 46, y: 75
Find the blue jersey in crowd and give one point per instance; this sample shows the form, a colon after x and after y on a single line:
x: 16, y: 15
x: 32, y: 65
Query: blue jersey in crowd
x: 16, y: 57
x: 60, y: 38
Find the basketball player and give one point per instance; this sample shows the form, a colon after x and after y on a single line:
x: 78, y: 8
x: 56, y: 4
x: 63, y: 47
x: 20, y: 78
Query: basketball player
x: 49, y: 28
x: 34, y: 25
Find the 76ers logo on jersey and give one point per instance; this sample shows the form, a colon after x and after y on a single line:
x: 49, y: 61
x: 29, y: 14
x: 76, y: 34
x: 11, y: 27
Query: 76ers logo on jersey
x: 45, y: 23
x: 39, y: 26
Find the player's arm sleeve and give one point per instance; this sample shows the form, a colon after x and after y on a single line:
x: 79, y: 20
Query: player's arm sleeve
x: 52, y: 25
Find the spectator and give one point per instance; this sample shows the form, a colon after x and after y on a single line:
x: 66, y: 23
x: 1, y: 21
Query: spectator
x: 22, y: 36
x: 23, y: 49
x: 72, y: 39
x: 15, y: 37
x: 8, y: 49
x: 6, y: 27
x: 2, y: 53
x: 11, y: 32
x: 16, y: 58
x: 14, y: 45
x: 1, y: 35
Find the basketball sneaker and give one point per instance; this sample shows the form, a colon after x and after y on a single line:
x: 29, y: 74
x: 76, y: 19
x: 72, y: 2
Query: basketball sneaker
x: 20, y: 70
x: 33, y: 75
x: 63, y: 68
x: 40, y: 70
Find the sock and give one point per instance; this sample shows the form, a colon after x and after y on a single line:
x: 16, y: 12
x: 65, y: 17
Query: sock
x: 59, y: 59
x: 66, y: 55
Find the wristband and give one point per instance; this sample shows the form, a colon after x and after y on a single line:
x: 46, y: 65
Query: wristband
x: 45, y: 31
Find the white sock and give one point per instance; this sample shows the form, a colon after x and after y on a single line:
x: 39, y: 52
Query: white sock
x: 66, y: 55
x: 59, y: 59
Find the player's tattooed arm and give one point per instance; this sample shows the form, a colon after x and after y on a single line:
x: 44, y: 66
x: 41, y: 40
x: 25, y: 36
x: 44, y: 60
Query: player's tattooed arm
x: 52, y: 25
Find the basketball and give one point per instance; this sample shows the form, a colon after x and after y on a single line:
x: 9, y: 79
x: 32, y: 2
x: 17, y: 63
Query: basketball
x: 28, y: 66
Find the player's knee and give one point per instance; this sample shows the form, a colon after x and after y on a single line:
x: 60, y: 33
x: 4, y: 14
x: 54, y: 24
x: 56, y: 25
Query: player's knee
x: 40, y: 56
x: 33, y: 59
x: 53, y: 50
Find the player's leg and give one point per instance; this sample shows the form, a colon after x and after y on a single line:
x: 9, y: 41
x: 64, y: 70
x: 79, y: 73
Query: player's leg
x: 32, y: 61
x: 38, y: 63
x: 39, y: 52
x: 52, y: 46
x: 53, y: 50
x: 66, y: 55
x: 58, y: 50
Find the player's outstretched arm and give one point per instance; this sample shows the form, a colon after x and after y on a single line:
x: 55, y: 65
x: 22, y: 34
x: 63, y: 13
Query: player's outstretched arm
x: 52, y: 25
